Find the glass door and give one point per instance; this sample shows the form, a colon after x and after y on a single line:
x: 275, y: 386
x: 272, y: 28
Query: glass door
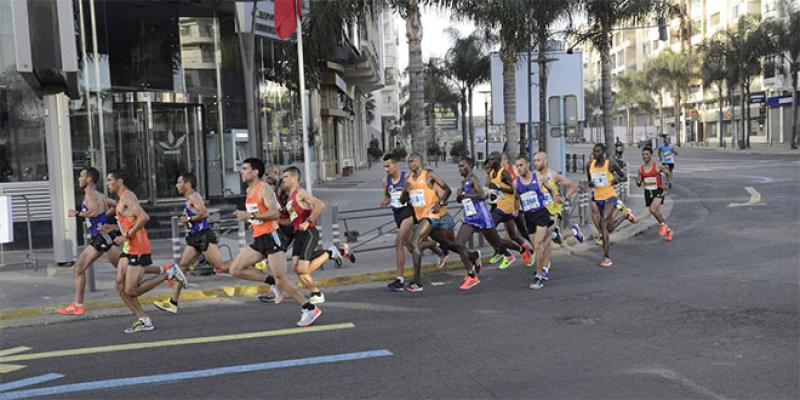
x: 129, y: 150
x: 177, y: 141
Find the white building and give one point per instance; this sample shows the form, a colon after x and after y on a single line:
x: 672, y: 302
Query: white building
x: 387, y: 99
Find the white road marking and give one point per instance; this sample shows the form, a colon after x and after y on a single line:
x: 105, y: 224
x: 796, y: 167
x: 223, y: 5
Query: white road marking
x: 755, y: 199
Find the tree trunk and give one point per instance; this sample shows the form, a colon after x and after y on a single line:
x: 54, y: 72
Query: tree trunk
x: 747, y: 117
x: 676, y: 110
x: 719, y: 117
x: 734, y: 127
x: 543, y: 117
x: 415, y: 79
x: 628, y: 124
x: 795, y: 115
x: 510, y: 101
x: 432, y: 119
x: 469, y: 125
x: 464, y: 134
x: 743, y: 141
x: 608, y: 101
x: 661, y: 111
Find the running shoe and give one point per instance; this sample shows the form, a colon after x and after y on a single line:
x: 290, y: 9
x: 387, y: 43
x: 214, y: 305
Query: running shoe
x: 495, y: 258
x: 538, y: 283
x: 278, y: 293
x: 139, y: 326
x: 414, y: 287
x: 606, y: 262
x: 336, y: 255
x: 309, y: 316
x: 345, y: 250
x: 266, y: 298
x: 631, y: 217
x: 173, y: 271
x: 261, y: 266
x: 599, y: 241
x: 442, y: 261
x: 546, y: 273
x: 166, y: 305
x: 669, y: 234
x: 662, y: 229
x: 557, y: 235
x: 469, y: 282
x: 220, y: 271
x: 72, y: 309
x: 316, y: 298
x: 396, y: 285
x: 507, y: 261
x: 526, y: 255
x: 576, y: 230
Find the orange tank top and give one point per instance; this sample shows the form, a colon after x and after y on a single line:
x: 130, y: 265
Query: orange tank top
x: 139, y: 243
x: 422, y: 196
x: 253, y: 205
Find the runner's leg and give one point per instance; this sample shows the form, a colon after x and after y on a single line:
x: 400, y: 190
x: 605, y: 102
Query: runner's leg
x: 423, y: 231
x: 655, y: 210
x: 402, y: 241
x: 88, y: 256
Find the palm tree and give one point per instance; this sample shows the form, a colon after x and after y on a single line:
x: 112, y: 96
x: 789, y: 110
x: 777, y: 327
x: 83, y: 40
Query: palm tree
x: 785, y: 45
x: 631, y: 93
x: 369, y: 108
x: 750, y: 43
x: 468, y: 65
x: 603, y: 16
x: 438, y: 92
x: 676, y: 69
x: 592, y: 103
x: 715, y: 54
x: 655, y: 84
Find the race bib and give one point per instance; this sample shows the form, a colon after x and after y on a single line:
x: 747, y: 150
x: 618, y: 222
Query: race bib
x: 396, y: 199
x: 600, y: 179
x: 530, y: 201
x: 417, y: 198
x: 650, y: 183
x: 548, y: 199
x: 252, y: 208
x: 469, y: 207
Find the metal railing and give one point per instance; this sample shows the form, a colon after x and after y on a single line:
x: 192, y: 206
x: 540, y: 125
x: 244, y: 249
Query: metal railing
x: 30, y: 256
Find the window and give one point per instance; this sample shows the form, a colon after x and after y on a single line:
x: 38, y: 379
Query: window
x: 715, y: 19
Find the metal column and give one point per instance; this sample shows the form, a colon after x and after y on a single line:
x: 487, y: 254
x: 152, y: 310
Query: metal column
x: 59, y: 171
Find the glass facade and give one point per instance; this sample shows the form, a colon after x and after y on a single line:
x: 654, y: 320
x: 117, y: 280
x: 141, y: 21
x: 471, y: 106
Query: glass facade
x: 162, y: 91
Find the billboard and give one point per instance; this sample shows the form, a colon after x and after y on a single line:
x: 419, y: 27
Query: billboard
x: 565, y: 78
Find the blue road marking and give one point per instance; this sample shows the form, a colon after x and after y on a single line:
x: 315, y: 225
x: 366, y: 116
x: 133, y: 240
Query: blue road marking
x: 29, y: 381
x: 202, y: 373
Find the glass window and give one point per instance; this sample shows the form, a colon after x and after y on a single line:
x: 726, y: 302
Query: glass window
x: 23, y: 155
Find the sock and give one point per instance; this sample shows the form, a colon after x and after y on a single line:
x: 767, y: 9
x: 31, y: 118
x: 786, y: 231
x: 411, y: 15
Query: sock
x: 401, y: 279
x: 546, y: 269
x: 78, y: 304
x: 174, y: 302
x: 146, y: 320
x: 316, y: 293
x: 471, y: 273
x: 308, y: 306
x: 270, y: 280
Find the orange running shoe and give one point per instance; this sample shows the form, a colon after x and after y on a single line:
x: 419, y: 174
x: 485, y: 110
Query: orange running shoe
x: 662, y: 229
x: 469, y: 282
x: 526, y: 254
x: 72, y: 309
x: 606, y: 262
x: 669, y: 234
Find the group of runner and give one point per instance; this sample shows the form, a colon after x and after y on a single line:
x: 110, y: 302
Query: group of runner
x: 527, y: 201
x: 280, y: 213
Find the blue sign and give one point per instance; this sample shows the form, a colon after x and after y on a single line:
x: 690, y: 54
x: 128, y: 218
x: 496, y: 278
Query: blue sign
x: 781, y: 101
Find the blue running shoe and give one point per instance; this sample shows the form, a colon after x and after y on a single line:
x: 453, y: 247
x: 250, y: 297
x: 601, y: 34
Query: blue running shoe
x: 577, y: 231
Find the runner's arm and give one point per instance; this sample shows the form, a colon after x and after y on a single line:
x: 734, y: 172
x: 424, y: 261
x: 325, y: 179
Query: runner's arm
x: 317, y: 205
x: 93, y: 208
x: 666, y: 171
x: 196, y: 201
x: 478, y: 195
x: 621, y: 175
x: 141, y: 218
x: 639, y: 177
x: 437, y: 180
x: 570, y: 187
x: 267, y: 197
x: 589, y: 174
x: 386, y: 197
x: 505, y: 177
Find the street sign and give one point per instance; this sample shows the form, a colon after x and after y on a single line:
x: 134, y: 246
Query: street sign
x: 758, y: 98
x: 6, y: 220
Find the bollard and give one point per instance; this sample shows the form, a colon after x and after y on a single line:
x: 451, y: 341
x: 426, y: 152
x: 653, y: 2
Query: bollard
x: 89, y: 273
x: 335, y: 234
x: 242, y: 236
x: 176, y: 240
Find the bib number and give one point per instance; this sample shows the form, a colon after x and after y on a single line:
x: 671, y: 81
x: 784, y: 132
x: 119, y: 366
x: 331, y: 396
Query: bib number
x: 252, y: 208
x: 395, y: 203
x: 650, y: 183
x: 548, y: 199
x: 600, y: 179
x: 530, y: 201
x: 417, y: 198
x: 469, y: 207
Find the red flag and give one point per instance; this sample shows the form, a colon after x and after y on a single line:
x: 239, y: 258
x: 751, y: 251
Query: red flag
x: 286, y: 17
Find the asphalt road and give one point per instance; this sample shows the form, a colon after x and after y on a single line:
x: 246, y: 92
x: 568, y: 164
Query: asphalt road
x: 712, y: 314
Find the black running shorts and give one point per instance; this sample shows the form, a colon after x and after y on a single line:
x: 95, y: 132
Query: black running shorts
x: 650, y: 195
x: 138, y: 260
x: 288, y: 233
x: 305, y: 242
x: 269, y: 243
x: 104, y: 242
x: 536, y: 219
x: 201, y: 240
x: 400, y: 214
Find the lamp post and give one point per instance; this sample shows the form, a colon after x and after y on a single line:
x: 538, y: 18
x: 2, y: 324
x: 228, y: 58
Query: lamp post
x: 486, y: 94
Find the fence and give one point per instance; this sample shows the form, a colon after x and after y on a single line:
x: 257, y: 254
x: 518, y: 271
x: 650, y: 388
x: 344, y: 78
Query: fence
x: 30, y: 256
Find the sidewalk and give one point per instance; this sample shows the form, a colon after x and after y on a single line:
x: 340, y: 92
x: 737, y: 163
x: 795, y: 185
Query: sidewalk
x: 30, y: 297
x: 755, y: 148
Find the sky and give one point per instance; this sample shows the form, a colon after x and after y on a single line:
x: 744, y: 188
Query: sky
x: 435, y: 42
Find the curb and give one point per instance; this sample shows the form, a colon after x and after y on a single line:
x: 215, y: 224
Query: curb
x: 233, y: 291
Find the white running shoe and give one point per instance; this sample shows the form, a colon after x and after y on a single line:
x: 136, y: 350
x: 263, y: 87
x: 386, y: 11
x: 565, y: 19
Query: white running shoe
x: 317, y: 298
x: 309, y: 316
x: 178, y: 274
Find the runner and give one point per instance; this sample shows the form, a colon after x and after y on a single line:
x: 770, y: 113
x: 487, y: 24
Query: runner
x: 263, y: 213
x: 393, y: 185
x: 273, y: 177
x: 601, y: 174
x: 136, y: 253
x: 519, y: 217
x: 667, y: 155
x: 537, y: 218
x: 650, y: 175
x: 304, y: 209
x: 477, y: 218
x: 551, y: 180
x: 200, y: 239
x: 93, y: 211
x: 502, y: 196
x: 430, y: 210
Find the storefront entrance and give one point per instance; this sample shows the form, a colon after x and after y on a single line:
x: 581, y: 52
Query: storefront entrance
x: 155, y: 140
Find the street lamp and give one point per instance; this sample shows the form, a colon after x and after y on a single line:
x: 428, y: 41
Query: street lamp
x: 486, y: 94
